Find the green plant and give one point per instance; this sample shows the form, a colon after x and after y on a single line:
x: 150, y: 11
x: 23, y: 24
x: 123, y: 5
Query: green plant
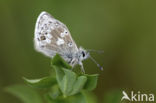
x: 65, y: 86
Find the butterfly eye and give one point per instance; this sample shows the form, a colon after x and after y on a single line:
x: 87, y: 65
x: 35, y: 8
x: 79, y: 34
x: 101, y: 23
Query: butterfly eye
x: 83, y: 54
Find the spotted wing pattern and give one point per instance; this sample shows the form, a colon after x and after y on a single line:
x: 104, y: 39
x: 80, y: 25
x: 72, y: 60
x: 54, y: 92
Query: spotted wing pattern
x: 52, y: 36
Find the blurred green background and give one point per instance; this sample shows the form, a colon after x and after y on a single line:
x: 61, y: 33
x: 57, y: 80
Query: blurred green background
x: 124, y: 29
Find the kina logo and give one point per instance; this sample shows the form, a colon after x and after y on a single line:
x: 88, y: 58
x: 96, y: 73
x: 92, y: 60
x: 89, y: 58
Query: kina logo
x: 137, y: 96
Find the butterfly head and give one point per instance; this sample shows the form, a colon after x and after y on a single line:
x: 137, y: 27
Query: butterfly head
x: 83, y: 54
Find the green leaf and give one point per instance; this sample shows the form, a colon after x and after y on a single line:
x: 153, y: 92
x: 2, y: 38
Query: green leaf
x: 26, y: 94
x: 59, y: 62
x: 91, y: 82
x: 78, y: 98
x: 59, y: 74
x: 65, y: 77
x: 51, y: 100
x: 68, y: 81
x: 44, y: 82
x: 78, y: 85
x: 55, y: 92
x: 90, y: 97
x: 54, y: 95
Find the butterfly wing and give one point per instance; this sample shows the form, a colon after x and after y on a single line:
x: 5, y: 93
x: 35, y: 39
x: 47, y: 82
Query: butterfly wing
x: 52, y: 36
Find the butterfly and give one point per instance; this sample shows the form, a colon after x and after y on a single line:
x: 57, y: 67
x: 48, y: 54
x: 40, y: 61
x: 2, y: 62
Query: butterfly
x: 52, y: 37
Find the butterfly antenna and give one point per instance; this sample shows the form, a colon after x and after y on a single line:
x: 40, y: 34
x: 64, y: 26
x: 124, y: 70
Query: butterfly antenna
x: 98, y: 51
x: 98, y: 65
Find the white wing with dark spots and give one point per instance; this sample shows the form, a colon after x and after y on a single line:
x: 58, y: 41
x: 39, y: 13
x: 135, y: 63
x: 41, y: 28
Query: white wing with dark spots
x: 52, y: 36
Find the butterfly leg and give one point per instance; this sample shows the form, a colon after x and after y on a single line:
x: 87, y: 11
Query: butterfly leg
x: 72, y: 63
x: 82, y: 68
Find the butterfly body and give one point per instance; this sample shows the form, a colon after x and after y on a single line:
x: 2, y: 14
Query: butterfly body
x: 53, y: 37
